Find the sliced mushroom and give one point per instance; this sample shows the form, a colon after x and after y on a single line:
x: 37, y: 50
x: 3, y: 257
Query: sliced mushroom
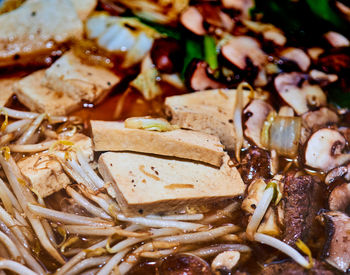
x: 225, y: 262
x: 334, y: 174
x: 336, y: 39
x: 298, y: 56
x: 241, y: 5
x: 315, y: 52
x: 322, y: 78
x: 337, y: 248
x: 344, y: 9
x: 240, y: 48
x: 295, y: 90
x: 269, y: 31
x: 324, y: 150
x: 346, y: 132
x: 321, y: 118
x: 256, y: 113
x: 184, y: 264
x: 213, y: 16
x: 255, y: 192
x: 197, y: 77
x: 339, y: 199
x: 193, y: 20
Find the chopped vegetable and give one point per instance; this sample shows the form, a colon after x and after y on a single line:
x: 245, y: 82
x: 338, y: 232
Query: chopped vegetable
x: 210, y: 52
x: 150, y: 124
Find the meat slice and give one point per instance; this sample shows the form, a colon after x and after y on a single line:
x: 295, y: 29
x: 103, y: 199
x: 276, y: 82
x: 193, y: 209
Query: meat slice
x: 39, y: 98
x: 337, y: 247
x: 209, y: 111
x: 255, y: 164
x: 50, y: 22
x: 304, y: 197
x: 78, y: 80
x: 149, y: 184
x: 187, y: 144
x: 292, y: 268
x: 6, y: 90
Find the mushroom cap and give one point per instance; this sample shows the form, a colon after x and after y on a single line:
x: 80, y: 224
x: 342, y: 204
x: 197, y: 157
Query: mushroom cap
x: 239, y: 48
x: 180, y: 264
x: 295, y: 90
x: 225, y: 261
x: 324, y: 150
x: 339, y: 199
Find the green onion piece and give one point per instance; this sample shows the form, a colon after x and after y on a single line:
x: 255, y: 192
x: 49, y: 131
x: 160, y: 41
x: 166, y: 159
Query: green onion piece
x: 210, y: 53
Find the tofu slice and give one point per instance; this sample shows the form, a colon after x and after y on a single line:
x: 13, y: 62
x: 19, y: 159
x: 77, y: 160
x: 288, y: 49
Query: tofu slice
x: 187, y: 144
x: 78, y: 80
x: 6, y: 90
x: 149, y: 184
x: 84, y: 7
x: 208, y: 111
x: 36, y: 28
x: 41, y: 99
x: 45, y: 174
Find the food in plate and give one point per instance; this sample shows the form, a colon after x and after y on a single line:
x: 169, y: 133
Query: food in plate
x: 174, y: 137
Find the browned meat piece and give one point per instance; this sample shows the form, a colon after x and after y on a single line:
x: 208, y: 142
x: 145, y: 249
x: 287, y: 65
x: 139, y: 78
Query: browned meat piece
x: 255, y: 164
x: 337, y: 247
x: 304, y: 197
x: 291, y: 268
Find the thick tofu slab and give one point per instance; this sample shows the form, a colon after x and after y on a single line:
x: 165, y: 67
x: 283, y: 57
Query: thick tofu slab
x: 187, y: 144
x: 36, y: 28
x: 148, y: 184
x: 41, y: 99
x: 6, y: 90
x: 209, y: 111
x: 44, y: 174
x: 78, y: 80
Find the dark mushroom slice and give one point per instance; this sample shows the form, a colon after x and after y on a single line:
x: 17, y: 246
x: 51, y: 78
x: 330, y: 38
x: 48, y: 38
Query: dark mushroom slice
x: 295, y: 90
x: 241, y: 50
x: 324, y: 150
x: 323, y: 117
x: 213, y: 16
x: 166, y: 55
x: 198, y: 77
x: 322, y: 78
x: 339, y: 199
x: 181, y: 264
x: 303, y: 197
x: 298, y: 56
x: 337, y: 247
x: 335, y: 174
x: 193, y: 20
x: 255, y: 114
